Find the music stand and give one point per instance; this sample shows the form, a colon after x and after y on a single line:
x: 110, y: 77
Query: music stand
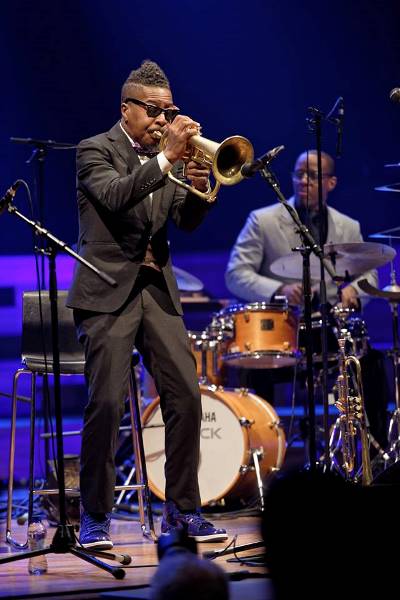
x: 64, y: 539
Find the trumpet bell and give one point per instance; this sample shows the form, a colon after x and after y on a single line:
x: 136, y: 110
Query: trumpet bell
x: 229, y: 158
x: 225, y: 160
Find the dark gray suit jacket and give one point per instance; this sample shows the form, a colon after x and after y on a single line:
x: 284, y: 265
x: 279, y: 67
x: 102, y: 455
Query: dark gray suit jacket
x: 116, y: 220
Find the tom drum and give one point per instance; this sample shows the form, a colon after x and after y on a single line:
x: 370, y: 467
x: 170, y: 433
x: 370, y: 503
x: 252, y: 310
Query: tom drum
x: 263, y: 336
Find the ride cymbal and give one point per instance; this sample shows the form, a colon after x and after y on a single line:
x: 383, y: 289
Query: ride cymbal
x: 351, y: 259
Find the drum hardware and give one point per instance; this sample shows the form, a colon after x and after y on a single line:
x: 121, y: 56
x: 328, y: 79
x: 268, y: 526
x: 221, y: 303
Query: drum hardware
x: 246, y: 422
x: 225, y: 160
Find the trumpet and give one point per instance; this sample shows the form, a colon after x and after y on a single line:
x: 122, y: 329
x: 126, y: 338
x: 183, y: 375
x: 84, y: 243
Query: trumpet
x: 353, y: 419
x: 225, y: 160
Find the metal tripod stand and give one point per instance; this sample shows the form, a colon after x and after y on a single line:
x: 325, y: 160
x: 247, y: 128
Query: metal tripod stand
x: 64, y: 539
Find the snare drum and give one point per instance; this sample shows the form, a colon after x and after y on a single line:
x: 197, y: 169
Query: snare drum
x: 234, y: 425
x: 262, y: 336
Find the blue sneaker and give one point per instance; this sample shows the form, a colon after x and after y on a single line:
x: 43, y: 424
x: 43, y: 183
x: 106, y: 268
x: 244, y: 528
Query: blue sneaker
x: 194, y: 523
x: 95, y: 531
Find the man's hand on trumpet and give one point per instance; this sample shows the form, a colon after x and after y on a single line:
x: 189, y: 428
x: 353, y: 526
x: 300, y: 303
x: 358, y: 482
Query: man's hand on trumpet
x: 197, y: 175
x: 179, y: 132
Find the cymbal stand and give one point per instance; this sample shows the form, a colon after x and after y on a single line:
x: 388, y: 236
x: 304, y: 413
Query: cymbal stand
x: 309, y: 245
x: 64, y: 539
x: 394, y: 424
x: 315, y: 124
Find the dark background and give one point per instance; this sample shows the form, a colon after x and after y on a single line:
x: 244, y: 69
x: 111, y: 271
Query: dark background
x: 249, y: 68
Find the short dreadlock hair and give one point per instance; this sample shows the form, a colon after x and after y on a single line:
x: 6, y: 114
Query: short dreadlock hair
x: 149, y: 73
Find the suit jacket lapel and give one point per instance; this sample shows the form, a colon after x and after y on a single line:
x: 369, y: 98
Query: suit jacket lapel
x: 124, y: 148
x: 288, y: 226
x: 335, y: 227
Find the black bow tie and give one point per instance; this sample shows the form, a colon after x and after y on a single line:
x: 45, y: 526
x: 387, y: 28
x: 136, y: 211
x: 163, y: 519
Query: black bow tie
x: 143, y: 151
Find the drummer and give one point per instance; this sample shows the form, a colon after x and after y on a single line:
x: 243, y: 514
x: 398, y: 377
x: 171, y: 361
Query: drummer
x: 270, y: 233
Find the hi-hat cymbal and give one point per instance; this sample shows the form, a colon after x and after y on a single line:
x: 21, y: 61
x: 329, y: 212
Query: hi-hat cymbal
x: 353, y: 258
x: 187, y: 282
x: 392, y: 187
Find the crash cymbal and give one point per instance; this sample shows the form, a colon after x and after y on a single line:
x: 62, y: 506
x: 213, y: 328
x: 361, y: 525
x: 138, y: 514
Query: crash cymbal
x: 392, y: 165
x: 392, y: 187
x: 187, y: 282
x: 390, y: 292
x: 353, y: 258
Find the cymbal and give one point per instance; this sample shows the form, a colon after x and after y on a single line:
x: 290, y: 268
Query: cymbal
x: 392, y: 165
x: 386, y: 233
x: 187, y: 282
x: 389, y: 292
x: 393, y: 187
x: 353, y: 258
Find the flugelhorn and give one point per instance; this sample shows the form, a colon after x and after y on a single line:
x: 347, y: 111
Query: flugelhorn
x: 225, y: 160
x: 353, y: 419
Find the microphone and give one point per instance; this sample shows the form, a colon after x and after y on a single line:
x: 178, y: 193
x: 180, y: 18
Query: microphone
x: 250, y: 168
x: 339, y: 139
x: 9, y: 196
x: 337, y: 120
x: 395, y: 95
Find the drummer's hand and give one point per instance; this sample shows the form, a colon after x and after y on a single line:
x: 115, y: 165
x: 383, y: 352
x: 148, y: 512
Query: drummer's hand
x: 349, y: 297
x: 197, y: 175
x: 292, y: 291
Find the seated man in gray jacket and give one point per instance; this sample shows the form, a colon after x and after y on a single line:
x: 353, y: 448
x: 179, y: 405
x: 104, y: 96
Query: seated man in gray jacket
x: 270, y: 233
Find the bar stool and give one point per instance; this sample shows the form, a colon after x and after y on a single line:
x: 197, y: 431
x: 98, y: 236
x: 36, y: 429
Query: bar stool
x: 37, y: 362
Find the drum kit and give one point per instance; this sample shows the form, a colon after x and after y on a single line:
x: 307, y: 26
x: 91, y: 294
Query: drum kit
x: 242, y: 440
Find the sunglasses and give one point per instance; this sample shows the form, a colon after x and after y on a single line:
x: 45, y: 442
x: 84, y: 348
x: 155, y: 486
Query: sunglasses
x: 154, y: 111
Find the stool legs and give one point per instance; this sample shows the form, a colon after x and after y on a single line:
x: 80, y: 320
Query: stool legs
x: 140, y: 459
x: 11, y: 463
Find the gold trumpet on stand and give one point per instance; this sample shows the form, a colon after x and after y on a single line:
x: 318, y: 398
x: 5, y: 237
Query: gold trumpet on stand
x: 351, y: 426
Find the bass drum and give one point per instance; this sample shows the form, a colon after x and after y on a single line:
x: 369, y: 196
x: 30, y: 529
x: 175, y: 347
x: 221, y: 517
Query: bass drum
x: 234, y: 424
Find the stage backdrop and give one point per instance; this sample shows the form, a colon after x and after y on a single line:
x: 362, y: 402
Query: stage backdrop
x: 239, y: 68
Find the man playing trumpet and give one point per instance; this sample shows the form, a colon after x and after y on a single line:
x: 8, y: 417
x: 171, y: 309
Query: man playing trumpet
x: 125, y: 200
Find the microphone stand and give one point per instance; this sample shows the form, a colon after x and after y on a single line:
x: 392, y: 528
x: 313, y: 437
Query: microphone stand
x: 64, y: 539
x: 309, y: 246
x: 316, y: 122
x: 38, y: 155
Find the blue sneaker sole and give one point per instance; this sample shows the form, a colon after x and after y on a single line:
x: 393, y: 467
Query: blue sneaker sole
x: 100, y: 545
x: 212, y: 537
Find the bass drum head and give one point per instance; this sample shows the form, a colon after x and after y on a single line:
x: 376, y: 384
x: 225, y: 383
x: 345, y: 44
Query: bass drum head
x: 233, y: 423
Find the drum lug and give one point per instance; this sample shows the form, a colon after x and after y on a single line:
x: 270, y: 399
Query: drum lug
x: 245, y: 469
x: 275, y: 425
x: 246, y: 422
